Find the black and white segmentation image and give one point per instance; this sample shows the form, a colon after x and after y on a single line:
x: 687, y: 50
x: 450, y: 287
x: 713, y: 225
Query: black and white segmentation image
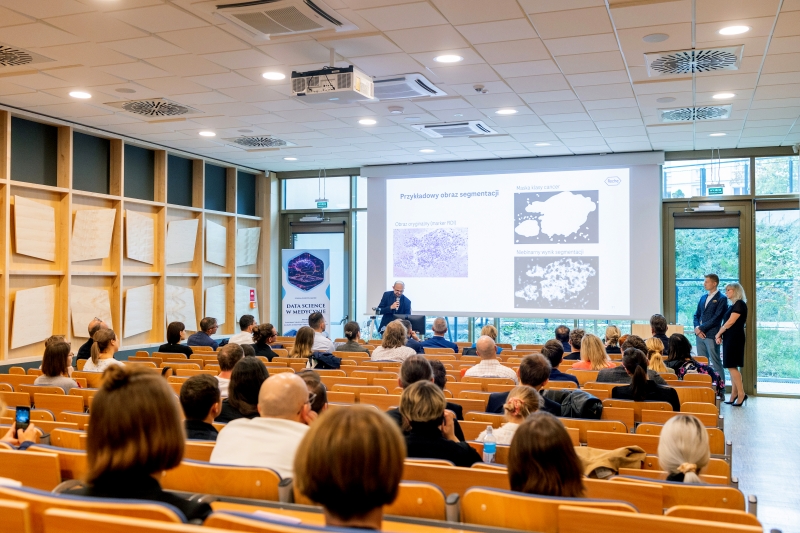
x: 431, y: 252
x: 556, y: 217
x: 550, y: 282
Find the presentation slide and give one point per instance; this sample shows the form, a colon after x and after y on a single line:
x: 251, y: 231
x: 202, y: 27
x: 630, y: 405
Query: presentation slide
x: 546, y: 243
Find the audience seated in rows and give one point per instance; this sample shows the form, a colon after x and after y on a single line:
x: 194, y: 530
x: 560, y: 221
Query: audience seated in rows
x: 304, y: 349
x: 612, y: 340
x: 641, y: 388
x: 227, y: 357
x: 575, y: 339
x: 430, y: 428
x: 655, y: 349
x: 57, y: 367
x: 263, y: 336
x: 593, y: 354
x: 135, y: 433
x: 417, y: 368
x: 437, y: 340
x: 208, y: 327
x: 490, y: 331
x: 542, y: 459
x: 681, y: 361
x: 683, y: 449
x: 562, y: 336
x: 393, y: 347
x: 351, y: 462
x: 104, y: 347
x: 412, y: 341
x: 85, y: 351
x: 271, y: 439
x: 322, y: 343
x: 247, y: 324
x: 317, y: 390
x: 534, y: 371
x: 489, y: 366
x: 201, y: 403
x: 521, y: 402
x: 658, y: 329
x: 176, y: 332
x: 553, y: 350
x: 352, y: 332
x: 245, y: 382
x: 619, y: 375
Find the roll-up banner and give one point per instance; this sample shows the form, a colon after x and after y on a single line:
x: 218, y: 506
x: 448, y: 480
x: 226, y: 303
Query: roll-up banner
x: 306, y: 286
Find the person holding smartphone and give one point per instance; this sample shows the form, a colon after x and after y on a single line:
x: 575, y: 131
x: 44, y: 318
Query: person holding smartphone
x: 22, y: 433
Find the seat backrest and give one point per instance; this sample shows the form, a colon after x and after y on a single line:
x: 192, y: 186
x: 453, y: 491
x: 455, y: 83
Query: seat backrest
x: 723, y: 497
x: 584, y: 376
x: 384, y: 402
x: 490, y: 507
x: 715, y: 466
x: 71, y: 462
x: 344, y: 397
x: 500, y: 454
x: 460, y: 386
x: 559, y: 385
x: 573, y: 519
x: 13, y: 399
x: 58, y: 402
x: 331, y: 381
x: 696, y: 394
x: 475, y: 395
x: 606, y: 440
x: 358, y: 390
x: 93, y: 379
x: 454, y: 479
x: 146, y: 364
x: 171, y: 356
x: 15, y: 380
x: 418, y: 500
x: 646, y: 498
x: 661, y: 475
x: 728, y: 516
x: 584, y: 425
x: 198, y: 450
x: 220, y: 480
x: 488, y: 381
x: 41, y: 389
x: 638, y: 406
x: 16, y: 370
x: 468, y: 404
x: 620, y: 414
x: 34, y: 469
x: 699, y: 407
x: 6, y: 387
x: 661, y: 417
x: 472, y: 428
x: 15, y: 516
x: 68, y: 438
x: 486, y: 418
x: 439, y: 351
x: 176, y: 365
x: 80, y: 418
x: 34, y: 372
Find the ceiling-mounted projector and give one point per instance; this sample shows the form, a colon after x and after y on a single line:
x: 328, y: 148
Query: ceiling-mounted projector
x: 332, y: 85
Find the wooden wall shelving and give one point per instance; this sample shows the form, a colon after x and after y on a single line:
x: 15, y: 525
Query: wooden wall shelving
x: 117, y: 273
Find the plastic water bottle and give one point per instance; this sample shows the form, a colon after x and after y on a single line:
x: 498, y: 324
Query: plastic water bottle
x: 489, y: 446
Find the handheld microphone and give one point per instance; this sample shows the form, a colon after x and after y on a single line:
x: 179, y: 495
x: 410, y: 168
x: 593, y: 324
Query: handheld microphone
x: 397, y: 301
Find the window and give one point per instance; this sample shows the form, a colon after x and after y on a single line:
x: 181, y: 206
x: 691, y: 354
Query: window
x: 361, y: 192
x: 362, y: 305
x: 777, y: 175
x: 457, y: 328
x: 303, y: 193
x: 529, y: 330
x: 706, y: 177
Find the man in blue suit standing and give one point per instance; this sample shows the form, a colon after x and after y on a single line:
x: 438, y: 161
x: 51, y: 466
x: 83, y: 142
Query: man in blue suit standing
x: 393, y: 302
x: 707, y: 321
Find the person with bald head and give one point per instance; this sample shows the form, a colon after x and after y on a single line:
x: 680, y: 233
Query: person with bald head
x: 85, y: 351
x: 489, y: 367
x: 271, y: 439
x: 393, y: 302
x: 438, y: 340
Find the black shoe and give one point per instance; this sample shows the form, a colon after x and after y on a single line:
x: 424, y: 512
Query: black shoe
x: 740, y: 404
x: 729, y: 403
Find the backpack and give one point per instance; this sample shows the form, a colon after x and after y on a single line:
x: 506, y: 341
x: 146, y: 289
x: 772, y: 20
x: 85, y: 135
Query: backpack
x: 694, y: 367
x: 576, y: 403
x: 323, y: 361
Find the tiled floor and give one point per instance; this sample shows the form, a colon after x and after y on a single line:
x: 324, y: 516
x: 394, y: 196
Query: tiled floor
x: 766, y: 457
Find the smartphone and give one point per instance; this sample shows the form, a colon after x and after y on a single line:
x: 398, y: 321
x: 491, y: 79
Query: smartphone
x: 23, y: 418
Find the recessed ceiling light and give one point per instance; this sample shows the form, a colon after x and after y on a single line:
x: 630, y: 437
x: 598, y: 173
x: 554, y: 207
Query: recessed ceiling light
x: 506, y: 111
x: 655, y: 38
x: 448, y: 58
x: 723, y: 96
x: 665, y: 99
x: 367, y: 122
x: 207, y: 134
x: 80, y: 94
x: 542, y: 144
x: 427, y: 151
x: 275, y: 76
x: 734, y: 30
x: 717, y: 134
x: 290, y: 159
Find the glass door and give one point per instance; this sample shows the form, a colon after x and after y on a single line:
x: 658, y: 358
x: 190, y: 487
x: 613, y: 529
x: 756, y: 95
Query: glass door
x: 330, y: 234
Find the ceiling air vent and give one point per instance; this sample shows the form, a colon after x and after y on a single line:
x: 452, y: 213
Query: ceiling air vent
x: 254, y: 143
x: 455, y: 129
x: 405, y: 86
x: 11, y: 56
x: 693, y: 61
x: 264, y: 18
x: 685, y: 114
x: 155, y: 108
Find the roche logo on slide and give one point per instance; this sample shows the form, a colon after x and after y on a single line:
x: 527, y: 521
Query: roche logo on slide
x: 613, y: 180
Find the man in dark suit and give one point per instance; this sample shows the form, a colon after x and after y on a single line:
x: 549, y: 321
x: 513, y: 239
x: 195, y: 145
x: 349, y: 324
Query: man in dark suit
x: 417, y: 368
x: 554, y: 353
x: 412, y: 341
x: 707, y: 321
x: 575, y: 340
x: 437, y: 340
x: 85, y: 351
x: 658, y: 328
x: 393, y: 302
x: 534, y: 371
x: 562, y: 336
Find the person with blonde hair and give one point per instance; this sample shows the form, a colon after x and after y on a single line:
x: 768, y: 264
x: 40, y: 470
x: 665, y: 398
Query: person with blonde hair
x: 430, y: 428
x: 393, y: 347
x: 683, y: 448
x: 103, y: 349
x: 612, y: 339
x: 351, y: 463
x: 303, y: 342
x: 655, y: 349
x: 489, y: 331
x: 593, y: 354
x: 732, y: 338
x: 304, y: 349
x: 522, y: 402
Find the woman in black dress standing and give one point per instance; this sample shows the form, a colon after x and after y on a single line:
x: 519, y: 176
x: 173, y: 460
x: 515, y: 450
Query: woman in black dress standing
x: 731, y: 336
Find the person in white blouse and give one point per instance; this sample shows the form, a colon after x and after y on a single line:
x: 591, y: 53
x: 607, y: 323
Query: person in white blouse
x: 521, y: 403
x: 394, y: 346
x: 103, y: 349
x: 489, y: 367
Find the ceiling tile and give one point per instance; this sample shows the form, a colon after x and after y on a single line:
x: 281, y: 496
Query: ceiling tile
x: 46, y: 8
x: 83, y: 76
x: 532, y: 84
x: 651, y: 13
x: 604, y: 92
x: 96, y: 27
x: 598, y: 78
x: 222, y: 81
x: 159, y: 18
x: 172, y: 85
x: 513, y: 51
x: 604, y: 42
x: 728, y: 10
x: 586, y: 63
x: 527, y: 68
x: 134, y: 71
x: 388, y: 64
x: 634, y: 47
x: 664, y: 86
x: 187, y: 65
x: 11, y: 18
x: 88, y: 54
x: 486, y: 101
x: 298, y: 53
x: 499, y: 31
x: 206, y: 40
x: 403, y: 16
x: 37, y: 34
x: 779, y: 63
x: 758, y: 27
x: 725, y: 83
x: 468, y: 89
x: 242, y: 59
x: 565, y: 117
x: 428, y: 38
x: 548, y: 96
x: 465, y: 74
x: 444, y: 103
x: 573, y: 23
x: 612, y: 103
x: 364, y: 45
x: 145, y: 47
x: 475, y: 11
x: 556, y: 108
x: 615, y: 114
x: 544, y: 6
x: 205, y: 100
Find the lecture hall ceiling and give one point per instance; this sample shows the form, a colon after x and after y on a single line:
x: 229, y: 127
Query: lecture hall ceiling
x: 573, y: 70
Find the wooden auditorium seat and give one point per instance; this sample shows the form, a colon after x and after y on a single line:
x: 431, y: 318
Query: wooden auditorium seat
x: 573, y: 519
x: 71, y: 462
x: 222, y: 480
x: 15, y: 516
x: 38, y: 470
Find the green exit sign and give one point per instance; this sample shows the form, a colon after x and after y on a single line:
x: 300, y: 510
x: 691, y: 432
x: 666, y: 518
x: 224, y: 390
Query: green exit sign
x: 715, y: 190
x: 322, y: 205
